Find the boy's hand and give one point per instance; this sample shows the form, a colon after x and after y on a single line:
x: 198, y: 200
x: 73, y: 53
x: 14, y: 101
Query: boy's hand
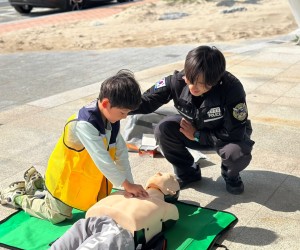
x: 134, y: 190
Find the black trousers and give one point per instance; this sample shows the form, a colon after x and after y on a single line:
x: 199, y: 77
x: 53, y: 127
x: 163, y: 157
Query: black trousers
x: 235, y: 156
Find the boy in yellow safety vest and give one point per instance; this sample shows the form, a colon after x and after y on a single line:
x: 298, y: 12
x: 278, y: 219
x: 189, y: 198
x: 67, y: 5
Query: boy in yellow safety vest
x: 88, y: 159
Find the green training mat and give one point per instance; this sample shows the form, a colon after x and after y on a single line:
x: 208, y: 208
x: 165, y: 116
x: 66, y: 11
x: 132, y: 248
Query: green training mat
x: 197, y: 228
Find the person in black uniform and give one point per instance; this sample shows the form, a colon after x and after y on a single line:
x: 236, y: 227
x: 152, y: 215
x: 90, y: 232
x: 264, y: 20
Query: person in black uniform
x: 212, y: 113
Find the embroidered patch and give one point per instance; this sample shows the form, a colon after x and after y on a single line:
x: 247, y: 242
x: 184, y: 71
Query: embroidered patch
x: 160, y: 84
x: 240, y: 111
x: 214, y: 112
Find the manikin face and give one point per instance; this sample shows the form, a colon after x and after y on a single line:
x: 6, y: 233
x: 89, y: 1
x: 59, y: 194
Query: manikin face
x: 166, y: 182
x: 198, y: 88
x: 112, y: 114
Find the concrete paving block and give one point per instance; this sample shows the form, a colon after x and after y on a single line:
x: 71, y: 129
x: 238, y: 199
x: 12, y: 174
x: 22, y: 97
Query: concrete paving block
x: 266, y: 159
x: 291, y: 74
x: 253, y: 71
x: 284, y: 115
x: 254, y: 108
x: 289, y: 49
x: 234, y: 59
x: 244, y: 216
x: 10, y: 169
x: 276, y: 57
x: 275, y: 88
x: 67, y: 96
x: 61, y: 113
x: 246, y: 237
x: 164, y: 70
x: 296, y: 171
x: 5, y: 211
x: 277, y: 139
x: 258, y: 188
x: 261, y: 98
x: 288, y: 101
x: 18, y: 113
x: 250, y: 84
x: 294, y: 91
x: 285, y: 201
x: 268, y: 232
x: 144, y: 167
x: 34, y: 140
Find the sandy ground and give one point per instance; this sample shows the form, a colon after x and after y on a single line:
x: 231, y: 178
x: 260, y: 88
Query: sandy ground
x: 144, y: 26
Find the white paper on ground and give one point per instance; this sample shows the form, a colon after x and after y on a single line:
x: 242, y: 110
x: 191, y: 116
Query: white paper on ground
x: 197, y: 154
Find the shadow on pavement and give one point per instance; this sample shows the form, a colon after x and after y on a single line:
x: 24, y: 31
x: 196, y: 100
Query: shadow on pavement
x: 275, y: 191
x: 256, y: 236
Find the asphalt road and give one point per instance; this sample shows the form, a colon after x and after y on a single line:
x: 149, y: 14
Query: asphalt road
x: 8, y: 13
x: 26, y: 77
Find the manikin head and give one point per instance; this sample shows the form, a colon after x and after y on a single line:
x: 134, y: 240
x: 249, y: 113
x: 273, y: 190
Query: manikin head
x: 167, y: 184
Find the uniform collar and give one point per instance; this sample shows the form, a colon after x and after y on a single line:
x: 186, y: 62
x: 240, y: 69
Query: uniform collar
x: 186, y: 94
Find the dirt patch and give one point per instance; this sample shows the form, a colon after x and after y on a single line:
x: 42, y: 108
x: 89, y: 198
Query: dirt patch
x: 153, y: 24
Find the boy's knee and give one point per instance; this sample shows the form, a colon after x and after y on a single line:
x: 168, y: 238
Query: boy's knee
x: 56, y: 218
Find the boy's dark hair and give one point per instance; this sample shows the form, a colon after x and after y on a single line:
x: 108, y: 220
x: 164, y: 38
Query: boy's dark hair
x: 122, y: 90
x: 205, y: 60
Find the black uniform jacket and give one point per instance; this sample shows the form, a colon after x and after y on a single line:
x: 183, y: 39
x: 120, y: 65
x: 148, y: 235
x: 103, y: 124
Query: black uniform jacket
x: 219, y: 114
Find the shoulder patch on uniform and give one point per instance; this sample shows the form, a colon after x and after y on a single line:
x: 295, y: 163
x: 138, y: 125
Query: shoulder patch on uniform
x: 240, y: 111
x: 160, y: 84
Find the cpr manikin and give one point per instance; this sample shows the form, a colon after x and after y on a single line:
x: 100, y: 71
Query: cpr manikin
x: 146, y: 217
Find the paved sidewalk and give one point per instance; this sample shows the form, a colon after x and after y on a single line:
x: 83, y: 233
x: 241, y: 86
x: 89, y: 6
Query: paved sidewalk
x: 268, y: 211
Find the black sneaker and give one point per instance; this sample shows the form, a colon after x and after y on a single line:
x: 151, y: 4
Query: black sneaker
x: 234, y: 185
x: 192, y: 178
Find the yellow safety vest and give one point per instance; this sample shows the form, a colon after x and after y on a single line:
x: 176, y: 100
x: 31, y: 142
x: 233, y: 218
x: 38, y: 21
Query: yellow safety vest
x: 73, y: 178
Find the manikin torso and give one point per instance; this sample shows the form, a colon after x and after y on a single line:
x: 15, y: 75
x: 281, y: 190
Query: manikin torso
x: 135, y: 214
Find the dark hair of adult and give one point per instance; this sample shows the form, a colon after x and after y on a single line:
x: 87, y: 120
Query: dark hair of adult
x: 122, y: 90
x: 205, y: 60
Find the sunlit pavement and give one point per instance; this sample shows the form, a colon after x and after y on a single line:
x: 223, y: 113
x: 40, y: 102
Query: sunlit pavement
x: 268, y: 211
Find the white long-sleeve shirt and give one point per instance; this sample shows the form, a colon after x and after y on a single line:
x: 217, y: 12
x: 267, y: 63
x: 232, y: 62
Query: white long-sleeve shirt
x: 84, y: 134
